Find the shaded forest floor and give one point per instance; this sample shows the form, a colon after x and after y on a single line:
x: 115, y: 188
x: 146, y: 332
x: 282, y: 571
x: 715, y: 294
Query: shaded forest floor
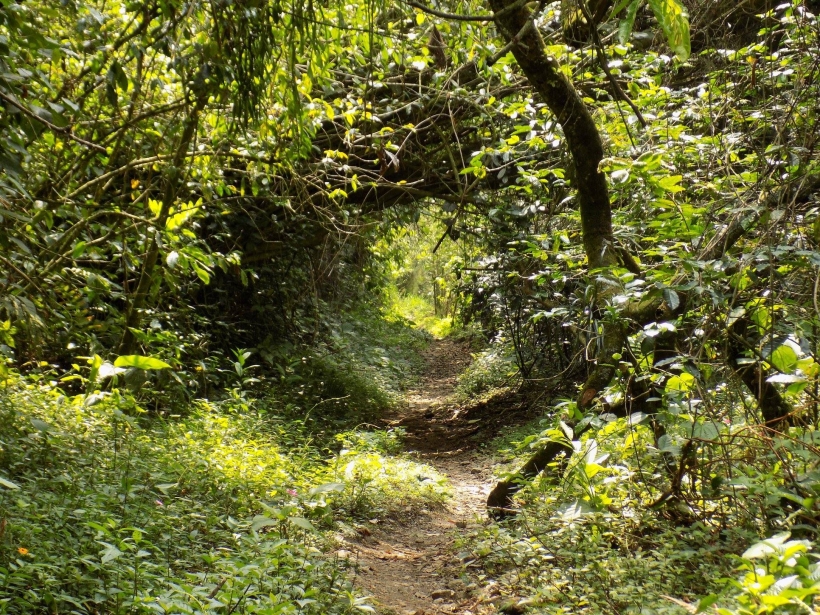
x: 411, y: 565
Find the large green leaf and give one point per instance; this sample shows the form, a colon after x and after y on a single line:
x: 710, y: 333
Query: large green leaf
x: 784, y: 358
x: 625, y: 24
x: 303, y: 523
x: 674, y: 20
x: 621, y: 6
x: 140, y: 362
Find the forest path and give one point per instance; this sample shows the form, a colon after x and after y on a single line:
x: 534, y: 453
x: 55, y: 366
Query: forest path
x: 410, y: 566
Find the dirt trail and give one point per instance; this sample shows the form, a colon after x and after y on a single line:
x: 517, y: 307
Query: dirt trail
x: 410, y: 566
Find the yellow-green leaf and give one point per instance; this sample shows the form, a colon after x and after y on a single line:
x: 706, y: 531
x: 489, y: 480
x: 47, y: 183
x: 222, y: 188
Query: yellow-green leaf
x: 784, y: 358
x: 140, y: 362
x: 670, y: 183
x: 674, y: 20
x: 8, y: 484
x: 682, y: 383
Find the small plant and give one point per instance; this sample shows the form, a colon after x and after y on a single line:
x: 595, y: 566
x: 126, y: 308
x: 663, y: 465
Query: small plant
x: 241, y: 366
x: 779, y: 576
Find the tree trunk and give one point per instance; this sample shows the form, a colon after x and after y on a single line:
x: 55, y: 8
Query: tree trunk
x: 773, y: 408
x: 587, y: 151
x: 586, y: 148
x: 172, y: 183
x: 579, y: 128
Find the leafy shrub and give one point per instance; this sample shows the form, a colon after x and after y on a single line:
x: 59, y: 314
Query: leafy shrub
x: 568, y: 558
x: 780, y: 576
x: 375, y: 480
x: 491, y: 369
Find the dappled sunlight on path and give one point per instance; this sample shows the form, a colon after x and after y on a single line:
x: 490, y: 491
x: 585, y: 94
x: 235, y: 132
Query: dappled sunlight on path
x: 410, y: 565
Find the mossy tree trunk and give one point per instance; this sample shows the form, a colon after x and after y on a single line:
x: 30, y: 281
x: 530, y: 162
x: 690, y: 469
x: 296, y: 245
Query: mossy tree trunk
x: 586, y: 148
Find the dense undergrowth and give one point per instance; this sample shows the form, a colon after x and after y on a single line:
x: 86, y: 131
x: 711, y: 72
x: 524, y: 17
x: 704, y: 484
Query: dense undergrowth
x: 230, y: 507
x: 599, y: 533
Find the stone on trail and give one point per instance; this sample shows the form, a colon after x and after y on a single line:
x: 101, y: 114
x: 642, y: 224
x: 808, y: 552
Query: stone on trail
x: 443, y: 594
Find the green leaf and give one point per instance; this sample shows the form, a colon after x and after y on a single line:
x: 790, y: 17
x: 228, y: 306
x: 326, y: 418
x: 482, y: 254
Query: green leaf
x: 116, y: 75
x: 626, y: 24
x: 110, y: 554
x: 201, y: 273
x: 620, y: 7
x: 140, y: 362
x: 107, y: 371
x: 41, y: 425
x: 666, y: 445
x: 784, y: 358
x: 591, y: 469
x: 735, y: 315
x: 328, y: 487
x: 785, y: 379
x: 682, y: 383
x: 261, y: 521
x: 795, y: 388
x: 8, y: 484
x: 670, y: 183
x: 674, y: 20
x: 672, y: 299
x: 765, y: 548
x: 705, y: 431
x: 636, y: 417
x: 568, y: 431
x: 303, y: 523
x: 706, y: 602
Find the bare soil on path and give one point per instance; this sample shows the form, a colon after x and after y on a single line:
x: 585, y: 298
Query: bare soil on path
x: 411, y: 566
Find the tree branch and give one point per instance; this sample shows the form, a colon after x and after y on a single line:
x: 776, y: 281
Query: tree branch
x: 450, y: 16
x: 62, y: 131
x: 599, y: 49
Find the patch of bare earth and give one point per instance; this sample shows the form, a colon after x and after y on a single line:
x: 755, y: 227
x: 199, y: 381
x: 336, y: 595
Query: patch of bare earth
x: 410, y: 566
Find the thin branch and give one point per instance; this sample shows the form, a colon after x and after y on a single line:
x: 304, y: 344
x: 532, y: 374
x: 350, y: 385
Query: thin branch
x: 599, y: 49
x: 69, y: 235
x: 140, y: 162
x: 63, y: 131
x: 450, y: 16
x: 14, y: 267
